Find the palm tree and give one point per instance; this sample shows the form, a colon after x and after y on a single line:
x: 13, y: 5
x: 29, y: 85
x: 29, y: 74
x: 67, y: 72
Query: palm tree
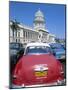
x: 14, y: 27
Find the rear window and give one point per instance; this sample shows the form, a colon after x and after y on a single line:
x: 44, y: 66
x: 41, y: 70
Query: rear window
x: 37, y: 50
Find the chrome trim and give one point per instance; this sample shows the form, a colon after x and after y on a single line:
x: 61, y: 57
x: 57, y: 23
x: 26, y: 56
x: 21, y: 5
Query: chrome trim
x: 42, y: 85
x: 17, y: 86
x: 23, y: 86
x: 38, y: 85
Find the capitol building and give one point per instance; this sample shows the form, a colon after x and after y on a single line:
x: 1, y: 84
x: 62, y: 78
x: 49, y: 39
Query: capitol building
x: 24, y: 34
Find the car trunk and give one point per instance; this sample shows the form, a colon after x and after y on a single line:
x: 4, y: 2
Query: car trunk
x: 33, y: 76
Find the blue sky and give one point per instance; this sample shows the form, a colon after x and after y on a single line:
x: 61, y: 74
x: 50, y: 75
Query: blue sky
x: 54, y: 15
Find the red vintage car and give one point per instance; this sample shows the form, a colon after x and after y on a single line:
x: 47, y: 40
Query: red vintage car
x: 38, y: 67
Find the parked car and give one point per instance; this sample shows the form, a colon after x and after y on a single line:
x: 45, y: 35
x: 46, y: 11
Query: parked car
x: 15, y: 51
x: 38, y: 67
x: 64, y: 46
x: 58, y: 51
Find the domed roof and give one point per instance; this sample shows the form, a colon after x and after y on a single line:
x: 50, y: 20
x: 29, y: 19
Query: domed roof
x: 39, y: 13
x: 39, y: 19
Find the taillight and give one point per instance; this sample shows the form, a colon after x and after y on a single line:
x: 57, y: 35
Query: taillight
x: 61, y: 70
x: 14, y: 76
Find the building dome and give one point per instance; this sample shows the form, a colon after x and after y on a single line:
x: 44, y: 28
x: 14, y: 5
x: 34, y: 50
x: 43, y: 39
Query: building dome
x: 39, y: 13
x: 39, y: 17
x: 39, y: 21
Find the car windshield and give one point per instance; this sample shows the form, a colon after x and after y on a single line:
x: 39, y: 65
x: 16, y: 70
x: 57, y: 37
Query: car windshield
x: 37, y: 50
x: 56, y: 46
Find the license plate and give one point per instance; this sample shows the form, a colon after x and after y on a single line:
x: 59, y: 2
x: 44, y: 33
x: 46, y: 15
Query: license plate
x: 41, y: 74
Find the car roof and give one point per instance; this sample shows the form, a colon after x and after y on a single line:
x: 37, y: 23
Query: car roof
x: 37, y: 44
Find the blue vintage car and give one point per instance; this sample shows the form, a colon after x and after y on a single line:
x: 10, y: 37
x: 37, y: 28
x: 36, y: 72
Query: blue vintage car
x: 58, y: 51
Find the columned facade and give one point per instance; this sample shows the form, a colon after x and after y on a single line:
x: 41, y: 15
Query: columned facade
x: 25, y: 34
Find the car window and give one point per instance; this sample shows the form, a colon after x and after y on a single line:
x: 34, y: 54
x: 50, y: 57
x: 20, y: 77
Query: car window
x: 15, y: 45
x: 56, y: 46
x: 37, y: 50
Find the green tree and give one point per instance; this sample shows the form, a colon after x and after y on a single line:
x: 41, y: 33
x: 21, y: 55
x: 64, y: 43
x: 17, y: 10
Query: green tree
x: 57, y: 40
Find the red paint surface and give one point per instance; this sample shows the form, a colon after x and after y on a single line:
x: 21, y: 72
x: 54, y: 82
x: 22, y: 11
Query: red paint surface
x: 25, y: 70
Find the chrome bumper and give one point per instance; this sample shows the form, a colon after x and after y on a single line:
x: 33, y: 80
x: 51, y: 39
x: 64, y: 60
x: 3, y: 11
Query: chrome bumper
x: 39, y: 85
